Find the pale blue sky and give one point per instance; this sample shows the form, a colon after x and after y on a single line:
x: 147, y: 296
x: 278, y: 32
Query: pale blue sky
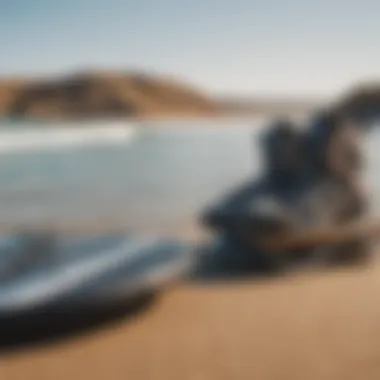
x: 261, y: 47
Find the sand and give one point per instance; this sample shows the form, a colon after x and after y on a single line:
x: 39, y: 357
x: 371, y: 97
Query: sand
x: 306, y: 326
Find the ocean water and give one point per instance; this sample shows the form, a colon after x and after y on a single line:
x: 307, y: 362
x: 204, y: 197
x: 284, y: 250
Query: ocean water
x: 147, y: 177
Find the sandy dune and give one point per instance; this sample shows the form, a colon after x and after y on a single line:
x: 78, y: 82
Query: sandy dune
x: 315, y: 326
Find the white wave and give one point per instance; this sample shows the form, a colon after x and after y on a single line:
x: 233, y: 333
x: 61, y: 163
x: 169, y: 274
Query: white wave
x: 22, y: 139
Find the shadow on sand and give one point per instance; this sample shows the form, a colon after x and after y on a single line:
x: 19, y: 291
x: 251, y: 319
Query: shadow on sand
x: 36, y: 329
x: 227, y: 265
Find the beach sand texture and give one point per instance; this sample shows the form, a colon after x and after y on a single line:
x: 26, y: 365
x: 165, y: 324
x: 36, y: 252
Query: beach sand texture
x: 306, y: 326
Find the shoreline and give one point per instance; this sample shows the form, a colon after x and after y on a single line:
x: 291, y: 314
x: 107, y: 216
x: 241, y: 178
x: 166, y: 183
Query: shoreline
x: 166, y: 119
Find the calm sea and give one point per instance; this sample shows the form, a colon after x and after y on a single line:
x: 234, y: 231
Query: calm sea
x: 148, y: 177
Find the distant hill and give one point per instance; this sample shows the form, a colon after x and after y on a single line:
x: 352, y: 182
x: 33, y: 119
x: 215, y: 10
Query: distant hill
x: 101, y: 94
x: 9, y: 89
x: 92, y: 95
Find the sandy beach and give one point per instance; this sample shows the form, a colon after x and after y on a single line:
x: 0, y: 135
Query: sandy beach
x: 306, y: 326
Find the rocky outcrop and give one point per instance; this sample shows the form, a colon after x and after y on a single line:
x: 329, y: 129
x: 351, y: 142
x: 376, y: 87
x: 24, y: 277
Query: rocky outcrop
x: 102, y: 95
x: 362, y: 102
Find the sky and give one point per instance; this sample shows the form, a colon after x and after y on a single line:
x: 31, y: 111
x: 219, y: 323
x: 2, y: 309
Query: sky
x: 237, y: 47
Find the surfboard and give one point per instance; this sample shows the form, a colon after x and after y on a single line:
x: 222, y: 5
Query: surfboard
x: 79, y: 272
